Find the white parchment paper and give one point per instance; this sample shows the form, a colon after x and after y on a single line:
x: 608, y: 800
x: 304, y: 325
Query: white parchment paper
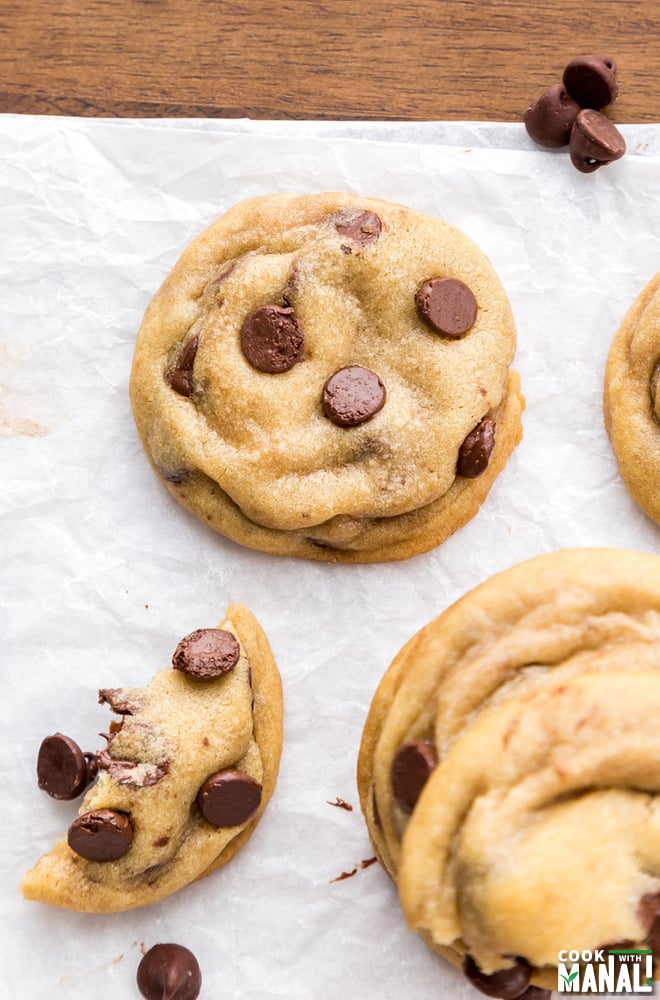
x: 102, y: 572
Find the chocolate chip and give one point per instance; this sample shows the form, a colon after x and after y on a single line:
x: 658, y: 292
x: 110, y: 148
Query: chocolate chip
x: 137, y: 774
x: 591, y: 81
x: 474, y: 454
x: 411, y: 768
x: 180, y: 377
x: 549, y: 120
x: 206, y: 653
x: 621, y: 946
x: 272, y: 339
x: 169, y: 972
x: 536, y: 993
x: 447, y: 305
x: 353, y: 395
x: 229, y: 798
x: 595, y: 141
x: 63, y: 770
x: 649, y: 914
x: 507, y: 984
x: 101, y: 835
x: 362, y: 229
x: 120, y: 700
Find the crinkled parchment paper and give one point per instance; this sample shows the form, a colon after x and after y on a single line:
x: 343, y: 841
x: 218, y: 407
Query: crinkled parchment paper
x: 102, y: 572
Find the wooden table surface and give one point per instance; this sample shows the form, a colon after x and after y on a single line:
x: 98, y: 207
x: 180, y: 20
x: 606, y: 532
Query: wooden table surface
x: 373, y: 59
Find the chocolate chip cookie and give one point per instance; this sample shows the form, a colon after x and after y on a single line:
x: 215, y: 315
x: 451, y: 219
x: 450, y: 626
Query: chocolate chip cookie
x: 509, y: 770
x: 631, y: 402
x: 327, y: 376
x: 186, y: 774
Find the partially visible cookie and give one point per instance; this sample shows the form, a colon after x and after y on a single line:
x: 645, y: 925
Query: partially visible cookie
x: 186, y: 775
x: 327, y: 376
x: 509, y: 770
x: 632, y: 402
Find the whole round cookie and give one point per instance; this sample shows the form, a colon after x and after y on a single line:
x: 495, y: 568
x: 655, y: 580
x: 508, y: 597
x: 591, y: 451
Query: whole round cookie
x: 509, y: 770
x: 327, y: 376
x: 184, y: 780
x: 631, y: 400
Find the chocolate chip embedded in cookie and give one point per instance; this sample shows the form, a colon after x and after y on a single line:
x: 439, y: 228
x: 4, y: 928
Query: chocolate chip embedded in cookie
x: 360, y: 227
x: 447, y: 305
x: 341, y: 351
x: 474, y: 454
x: 490, y: 746
x: 229, y: 798
x: 188, y: 770
x: 353, y: 395
x: 207, y: 653
x: 631, y: 401
x: 272, y: 339
x: 101, y: 835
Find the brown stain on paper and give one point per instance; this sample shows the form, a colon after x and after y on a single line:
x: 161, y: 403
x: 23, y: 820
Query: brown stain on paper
x: 16, y: 418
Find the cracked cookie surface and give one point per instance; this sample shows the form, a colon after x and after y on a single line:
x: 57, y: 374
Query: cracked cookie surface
x: 509, y: 773
x: 308, y: 373
x: 186, y: 775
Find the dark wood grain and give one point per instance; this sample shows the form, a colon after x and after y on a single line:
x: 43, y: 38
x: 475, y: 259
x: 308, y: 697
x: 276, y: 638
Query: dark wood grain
x: 374, y: 59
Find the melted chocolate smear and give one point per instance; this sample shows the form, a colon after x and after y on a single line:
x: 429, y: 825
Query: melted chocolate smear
x: 358, y: 867
x: 180, y: 377
x: 341, y: 804
x: 362, y: 230
x: 412, y: 766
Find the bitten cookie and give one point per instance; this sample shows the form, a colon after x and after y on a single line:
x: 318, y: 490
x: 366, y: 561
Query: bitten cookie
x: 327, y: 376
x: 631, y: 402
x: 509, y: 770
x: 186, y: 775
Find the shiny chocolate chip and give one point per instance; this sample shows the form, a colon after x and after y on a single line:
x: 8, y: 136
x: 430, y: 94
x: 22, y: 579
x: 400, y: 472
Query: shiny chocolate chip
x: 169, y: 972
x: 507, y: 984
x: 474, y: 454
x: 206, y: 653
x: 411, y: 768
x: 595, y: 141
x: 447, y: 305
x: 591, y: 81
x: 229, y: 798
x: 63, y: 770
x: 549, y: 119
x: 101, y: 835
x: 180, y: 377
x: 272, y: 339
x: 352, y: 396
x: 361, y: 229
